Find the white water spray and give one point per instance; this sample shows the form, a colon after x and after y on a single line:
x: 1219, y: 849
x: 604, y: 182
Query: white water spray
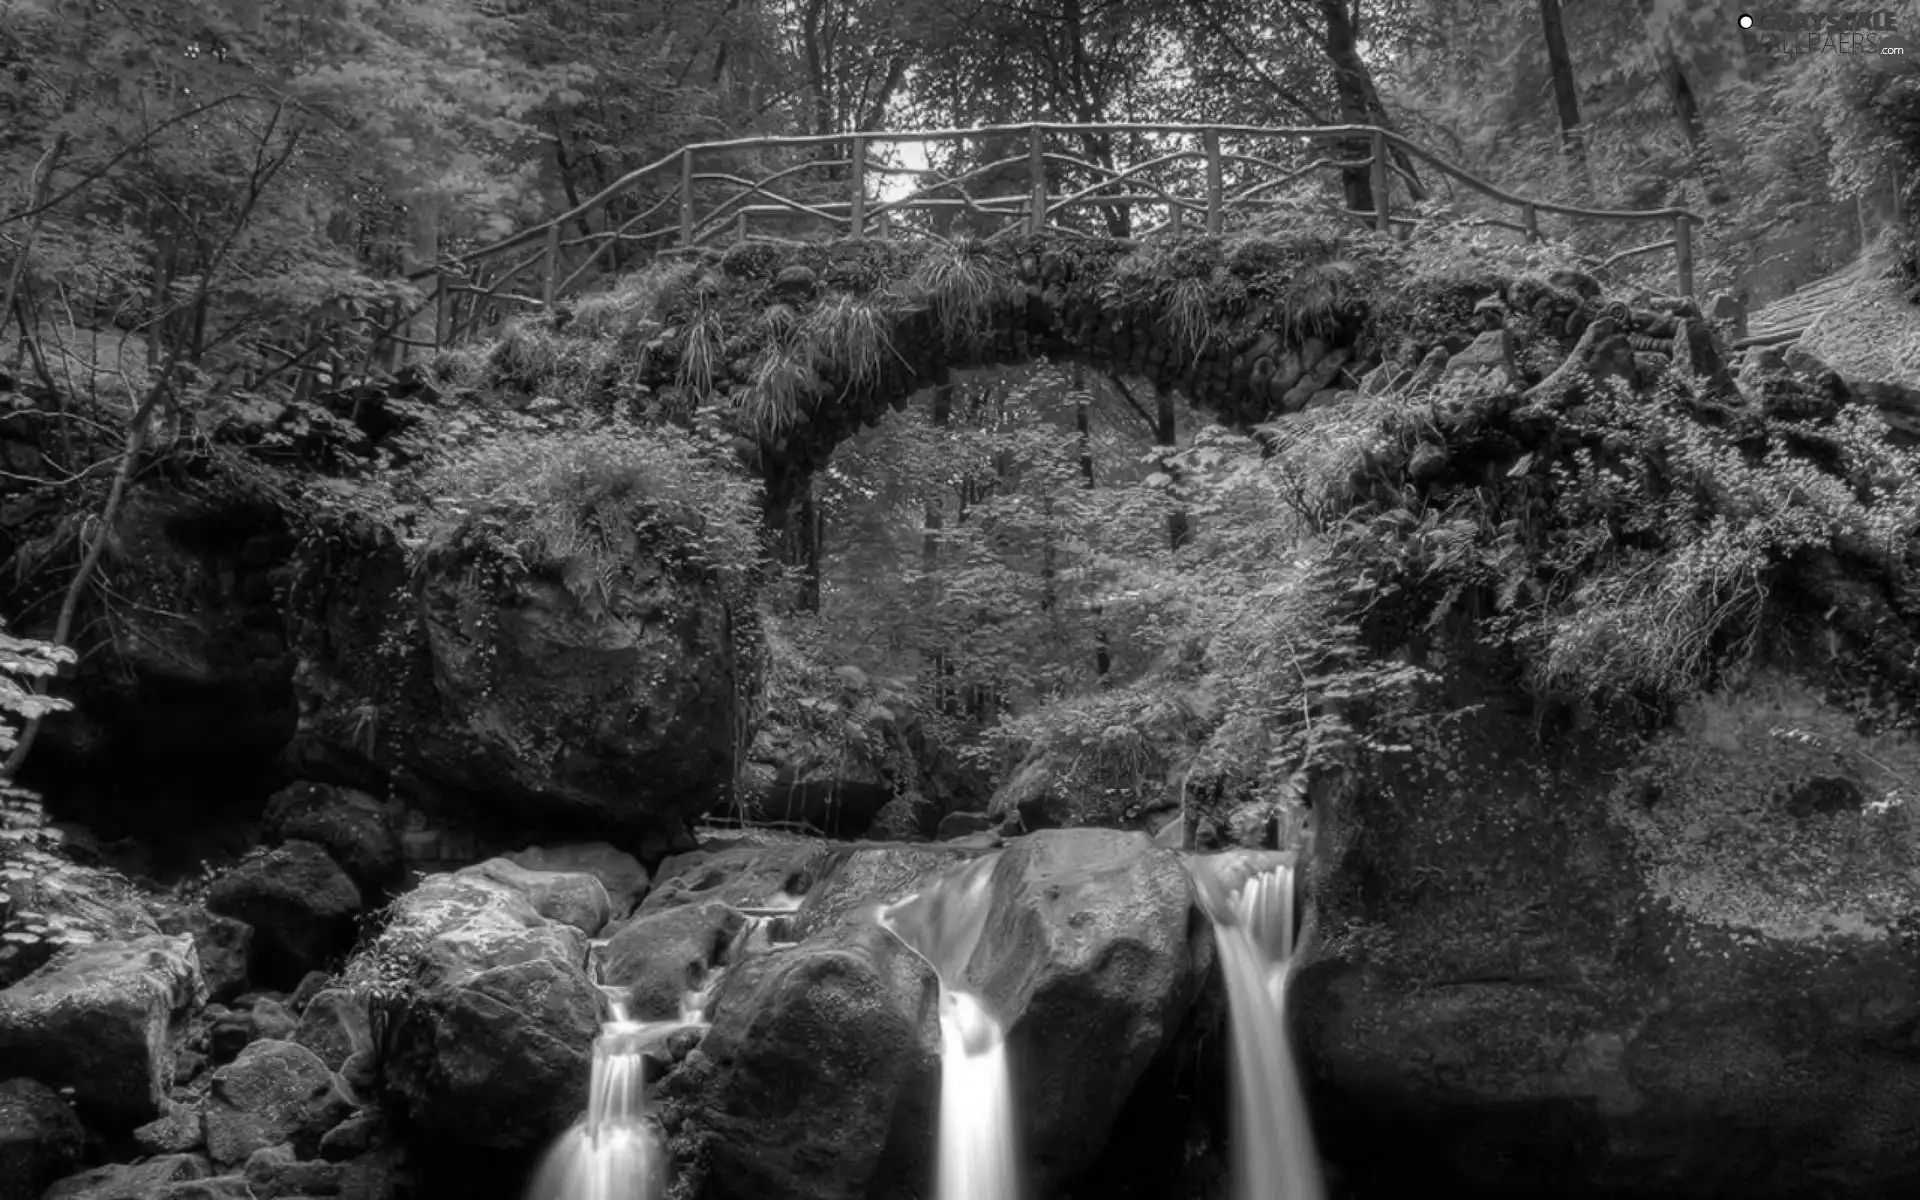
x: 977, y: 1150
x: 615, y: 1152
x: 1252, y: 915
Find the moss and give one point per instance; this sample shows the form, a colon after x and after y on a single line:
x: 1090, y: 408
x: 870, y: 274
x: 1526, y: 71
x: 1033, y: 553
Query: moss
x: 1720, y: 815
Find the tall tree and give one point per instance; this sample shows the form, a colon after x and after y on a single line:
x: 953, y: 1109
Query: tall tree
x: 1566, y: 94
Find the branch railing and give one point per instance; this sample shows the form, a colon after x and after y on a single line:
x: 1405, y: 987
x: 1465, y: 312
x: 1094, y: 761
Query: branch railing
x: 1193, y: 178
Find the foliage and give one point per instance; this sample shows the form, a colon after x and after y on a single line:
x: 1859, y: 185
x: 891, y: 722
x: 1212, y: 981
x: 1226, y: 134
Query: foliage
x: 1637, y: 563
x: 587, y: 503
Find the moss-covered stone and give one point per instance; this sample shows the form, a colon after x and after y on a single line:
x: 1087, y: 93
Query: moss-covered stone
x: 1623, y: 964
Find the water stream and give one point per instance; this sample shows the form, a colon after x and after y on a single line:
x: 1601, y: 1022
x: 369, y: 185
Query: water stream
x: 1250, y: 902
x: 615, y: 1152
x: 978, y: 1155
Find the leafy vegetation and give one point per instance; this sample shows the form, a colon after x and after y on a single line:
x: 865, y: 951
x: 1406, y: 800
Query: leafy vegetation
x: 586, y: 503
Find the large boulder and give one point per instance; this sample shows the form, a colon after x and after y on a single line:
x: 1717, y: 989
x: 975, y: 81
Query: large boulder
x: 819, y: 1077
x: 356, y: 830
x: 336, y: 1025
x: 105, y: 1021
x: 514, y: 690
x: 1683, y: 967
x: 570, y: 897
x: 660, y: 957
x: 179, y: 725
x: 490, y: 1042
x: 301, y: 905
x: 40, y: 1138
x: 148, y: 1180
x: 225, y: 947
x: 619, y: 872
x: 744, y: 875
x: 1094, y: 959
x: 274, y: 1093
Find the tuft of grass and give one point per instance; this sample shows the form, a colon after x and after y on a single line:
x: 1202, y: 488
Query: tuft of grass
x: 782, y: 377
x: 526, y: 356
x: 700, y: 355
x: 962, y: 286
x: 586, y: 502
x: 851, y: 334
x: 1189, y: 320
x: 458, y: 367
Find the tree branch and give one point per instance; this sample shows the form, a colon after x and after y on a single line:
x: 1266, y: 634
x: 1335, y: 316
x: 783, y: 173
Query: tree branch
x: 264, y: 169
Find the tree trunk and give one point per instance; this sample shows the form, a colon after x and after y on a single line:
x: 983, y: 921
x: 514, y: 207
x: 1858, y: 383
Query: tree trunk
x: 930, y: 544
x: 36, y: 199
x: 807, y: 529
x: 1166, y: 435
x: 1083, y: 426
x: 1686, y: 113
x: 1351, y: 88
x: 423, y: 251
x: 1566, y: 95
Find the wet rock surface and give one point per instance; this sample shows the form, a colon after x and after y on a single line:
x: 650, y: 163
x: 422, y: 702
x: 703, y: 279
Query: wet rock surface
x: 1632, y: 970
x: 40, y: 1138
x: 300, y: 904
x: 490, y: 1045
x: 104, y: 1020
x: 820, y: 1073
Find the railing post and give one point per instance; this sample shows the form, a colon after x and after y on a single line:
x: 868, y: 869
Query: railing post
x: 1176, y: 214
x: 740, y: 226
x: 1683, y: 254
x: 686, y: 196
x: 1382, y: 190
x: 442, y: 310
x: 883, y: 224
x: 553, y: 266
x: 1215, y: 188
x: 857, y: 217
x: 1036, y: 181
x: 1530, y: 217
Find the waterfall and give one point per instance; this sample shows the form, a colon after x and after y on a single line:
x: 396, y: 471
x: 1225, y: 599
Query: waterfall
x: 977, y: 1150
x: 614, y: 1152
x: 1250, y: 902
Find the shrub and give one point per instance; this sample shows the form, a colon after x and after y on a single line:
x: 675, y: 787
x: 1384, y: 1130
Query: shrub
x: 585, y: 503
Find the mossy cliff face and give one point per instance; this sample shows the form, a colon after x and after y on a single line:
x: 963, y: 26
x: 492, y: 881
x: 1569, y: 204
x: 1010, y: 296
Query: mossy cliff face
x: 499, y: 686
x: 1582, y: 964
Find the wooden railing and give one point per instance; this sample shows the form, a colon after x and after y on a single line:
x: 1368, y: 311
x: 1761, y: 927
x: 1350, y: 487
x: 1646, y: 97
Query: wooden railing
x: 1196, y: 177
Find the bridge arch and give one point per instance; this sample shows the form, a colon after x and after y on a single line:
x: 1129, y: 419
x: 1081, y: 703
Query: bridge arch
x: 800, y: 345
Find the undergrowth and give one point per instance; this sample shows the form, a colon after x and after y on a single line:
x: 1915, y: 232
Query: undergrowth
x: 1635, y: 558
x: 589, y: 503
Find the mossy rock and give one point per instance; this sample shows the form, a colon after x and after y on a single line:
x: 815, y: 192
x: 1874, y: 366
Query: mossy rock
x: 1678, y: 965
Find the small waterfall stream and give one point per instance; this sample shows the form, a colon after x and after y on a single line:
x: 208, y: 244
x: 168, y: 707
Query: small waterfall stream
x: 615, y: 1152
x: 1250, y: 902
x: 977, y: 1148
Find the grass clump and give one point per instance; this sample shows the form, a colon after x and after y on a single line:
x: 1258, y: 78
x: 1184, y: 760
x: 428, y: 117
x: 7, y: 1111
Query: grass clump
x: 964, y: 284
x: 783, y: 377
x: 701, y: 350
x: 852, y: 336
x: 587, y: 506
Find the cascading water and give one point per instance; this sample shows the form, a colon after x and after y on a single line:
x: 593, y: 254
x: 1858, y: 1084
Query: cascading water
x: 1250, y: 902
x: 942, y: 924
x: 615, y: 1152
